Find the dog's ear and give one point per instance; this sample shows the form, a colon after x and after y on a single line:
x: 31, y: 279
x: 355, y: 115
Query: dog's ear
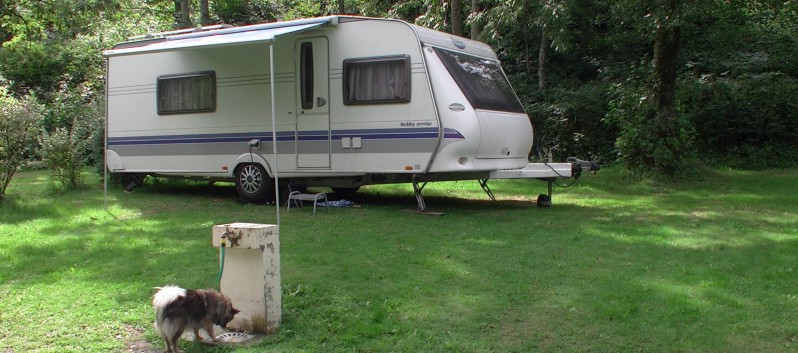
x: 236, y: 311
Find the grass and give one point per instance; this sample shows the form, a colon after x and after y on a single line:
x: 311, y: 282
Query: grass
x: 614, y: 266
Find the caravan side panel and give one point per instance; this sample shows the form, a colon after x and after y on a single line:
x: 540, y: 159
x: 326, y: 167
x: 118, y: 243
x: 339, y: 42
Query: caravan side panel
x: 398, y: 137
x: 201, y: 143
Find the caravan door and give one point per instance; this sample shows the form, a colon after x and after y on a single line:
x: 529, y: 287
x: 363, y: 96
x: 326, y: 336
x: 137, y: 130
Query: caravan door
x: 313, y: 93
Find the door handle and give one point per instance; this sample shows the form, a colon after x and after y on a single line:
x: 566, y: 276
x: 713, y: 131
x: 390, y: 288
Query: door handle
x: 320, y: 102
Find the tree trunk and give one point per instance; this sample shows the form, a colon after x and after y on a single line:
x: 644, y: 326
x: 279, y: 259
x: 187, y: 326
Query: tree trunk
x: 543, y: 60
x: 526, y: 53
x: 457, y: 18
x: 341, y: 7
x: 668, y: 129
x: 205, y: 16
x: 474, y: 25
x: 183, y: 14
x: 666, y: 51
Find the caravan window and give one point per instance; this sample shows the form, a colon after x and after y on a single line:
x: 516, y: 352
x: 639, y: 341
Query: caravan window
x: 306, y: 75
x: 377, y: 80
x: 187, y: 93
x: 482, y: 81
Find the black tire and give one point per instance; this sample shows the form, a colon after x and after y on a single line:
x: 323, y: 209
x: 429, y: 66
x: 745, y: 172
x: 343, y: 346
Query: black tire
x: 544, y: 200
x: 252, y: 183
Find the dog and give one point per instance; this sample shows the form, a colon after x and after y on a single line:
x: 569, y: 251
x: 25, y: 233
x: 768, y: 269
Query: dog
x: 177, y: 309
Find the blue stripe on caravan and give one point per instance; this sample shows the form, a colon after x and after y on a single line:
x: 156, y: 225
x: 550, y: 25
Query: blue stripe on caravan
x: 386, y: 131
x: 266, y: 136
x: 452, y: 134
x: 200, y: 138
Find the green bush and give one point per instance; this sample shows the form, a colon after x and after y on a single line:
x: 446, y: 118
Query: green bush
x: 651, y: 143
x: 18, y: 133
x: 72, y: 142
x: 46, y: 67
x: 748, y: 122
x: 61, y: 153
x: 573, y: 120
x: 244, y: 12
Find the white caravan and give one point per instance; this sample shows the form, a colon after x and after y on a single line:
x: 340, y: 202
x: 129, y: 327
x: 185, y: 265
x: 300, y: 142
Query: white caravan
x: 335, y: 101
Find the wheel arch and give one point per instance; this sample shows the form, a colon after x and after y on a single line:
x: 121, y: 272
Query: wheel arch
x: 250, y: 158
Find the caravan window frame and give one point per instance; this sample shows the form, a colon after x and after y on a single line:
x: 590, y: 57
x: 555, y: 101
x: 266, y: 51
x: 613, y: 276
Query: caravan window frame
x: 481, y: 80
x: 351, y: 67
x: 201, y: 97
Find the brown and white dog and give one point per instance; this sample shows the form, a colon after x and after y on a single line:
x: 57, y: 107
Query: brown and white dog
x: 177, y: 309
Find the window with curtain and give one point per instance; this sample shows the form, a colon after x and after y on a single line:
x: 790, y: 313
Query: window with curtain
x: 377, y: 80
x: 187, y: 93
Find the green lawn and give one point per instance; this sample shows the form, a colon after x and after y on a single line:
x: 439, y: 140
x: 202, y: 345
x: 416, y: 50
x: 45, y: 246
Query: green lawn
x: 614, y: 266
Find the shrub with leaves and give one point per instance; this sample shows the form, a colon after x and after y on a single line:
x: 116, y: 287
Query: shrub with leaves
x: 651, y: 143
x: 61, y: 156
x: 573, y: 120
x: 749, y: 122
x: 70, y: 145
x: 18, y: 132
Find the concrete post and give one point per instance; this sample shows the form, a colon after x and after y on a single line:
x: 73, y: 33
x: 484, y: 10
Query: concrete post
x: 251, y: 275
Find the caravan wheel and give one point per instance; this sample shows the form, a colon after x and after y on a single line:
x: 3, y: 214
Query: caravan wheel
x: 252, y: 182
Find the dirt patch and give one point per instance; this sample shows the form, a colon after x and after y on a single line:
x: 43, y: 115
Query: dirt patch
x: 135, y: 342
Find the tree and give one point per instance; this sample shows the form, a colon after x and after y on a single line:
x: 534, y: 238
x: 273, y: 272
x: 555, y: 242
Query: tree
x: 543, y: 60
x: 666, y: 53
x: 475, y: 10
x: 655, y: 139
x: 456, y: 18
x: 205, y: 17
x: 657, y: 77
x: 238, y: 12
x: 18, y: 133
x: 183, y: 14
x: 547, y: 20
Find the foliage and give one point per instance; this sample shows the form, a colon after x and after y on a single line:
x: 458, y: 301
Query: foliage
x: 238, y: 12
x: 31, y: 66
x: 18, y: 133
x: 749, y: 121
x: 67, y: 105
x: 650, y: 144
x: 61, y: 154
x: 72, y: 137
x: 578, y: 52
x: 573, y: 120
x: 427, y: 13
x: 52, y: 44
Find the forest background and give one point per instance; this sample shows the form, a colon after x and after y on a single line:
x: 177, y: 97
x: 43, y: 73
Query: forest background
x: 662, y: 87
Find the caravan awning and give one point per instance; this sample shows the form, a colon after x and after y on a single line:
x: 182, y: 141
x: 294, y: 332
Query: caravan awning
x: 233, y: 36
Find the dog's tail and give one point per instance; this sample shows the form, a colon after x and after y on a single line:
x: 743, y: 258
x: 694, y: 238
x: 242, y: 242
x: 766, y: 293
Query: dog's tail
x: 161, y: 301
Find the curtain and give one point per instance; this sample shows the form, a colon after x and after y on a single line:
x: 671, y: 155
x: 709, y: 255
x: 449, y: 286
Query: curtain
x: 186, y: 94
x: 377, y: 81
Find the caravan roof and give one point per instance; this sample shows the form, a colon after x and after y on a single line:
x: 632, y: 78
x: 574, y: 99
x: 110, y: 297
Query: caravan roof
x: 268, y: 32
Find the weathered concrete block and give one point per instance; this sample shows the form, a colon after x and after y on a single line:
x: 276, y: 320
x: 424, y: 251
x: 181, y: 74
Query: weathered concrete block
x: 251, y: 276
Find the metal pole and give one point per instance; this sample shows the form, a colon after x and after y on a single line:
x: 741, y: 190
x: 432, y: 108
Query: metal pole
x: 105, y: 143
x: 274, y: 134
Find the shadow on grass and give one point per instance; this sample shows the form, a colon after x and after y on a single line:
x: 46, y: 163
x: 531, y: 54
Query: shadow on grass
x: 396, y: 198
x: 15, y: 211
x: 638, y: 271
